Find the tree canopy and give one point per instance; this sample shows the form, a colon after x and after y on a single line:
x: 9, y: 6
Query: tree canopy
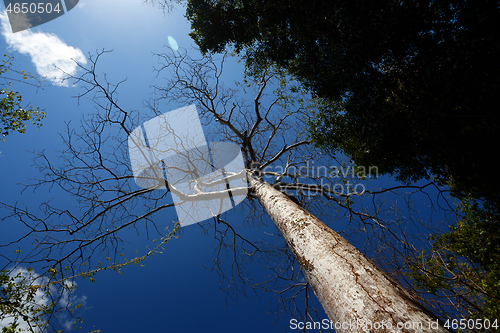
x: 407, y: 86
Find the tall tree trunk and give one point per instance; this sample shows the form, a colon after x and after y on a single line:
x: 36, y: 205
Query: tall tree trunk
x: 356, y: 295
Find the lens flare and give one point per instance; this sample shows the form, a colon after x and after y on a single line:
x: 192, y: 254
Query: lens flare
x: 173, y: 44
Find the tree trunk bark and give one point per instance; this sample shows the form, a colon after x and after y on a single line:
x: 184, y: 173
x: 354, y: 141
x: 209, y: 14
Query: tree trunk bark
x: 356, y: 295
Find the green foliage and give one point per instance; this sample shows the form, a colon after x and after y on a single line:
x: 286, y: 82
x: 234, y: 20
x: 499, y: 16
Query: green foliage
x: 126, y: 262
x: 29, y: 300
x: 22, y: 300
x: 409, y: 86
x: 13, y: 115
x: 464, y: 263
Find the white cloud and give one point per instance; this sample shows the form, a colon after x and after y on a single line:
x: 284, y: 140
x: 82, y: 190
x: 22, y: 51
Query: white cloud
x: 47, y: 51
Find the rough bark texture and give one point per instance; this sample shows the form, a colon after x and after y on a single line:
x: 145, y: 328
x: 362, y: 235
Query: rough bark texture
x: 356, y: 295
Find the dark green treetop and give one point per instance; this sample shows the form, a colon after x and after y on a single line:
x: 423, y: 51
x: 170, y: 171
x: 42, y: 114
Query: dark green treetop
x: 409, y: 86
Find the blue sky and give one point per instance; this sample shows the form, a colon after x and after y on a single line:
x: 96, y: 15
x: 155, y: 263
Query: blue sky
x: 173, y: 292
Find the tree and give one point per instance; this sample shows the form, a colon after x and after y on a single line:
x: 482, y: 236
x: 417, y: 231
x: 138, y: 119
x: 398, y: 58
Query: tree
x: 277, y: 157
x: 408, y: 85
x: 12, y: 114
